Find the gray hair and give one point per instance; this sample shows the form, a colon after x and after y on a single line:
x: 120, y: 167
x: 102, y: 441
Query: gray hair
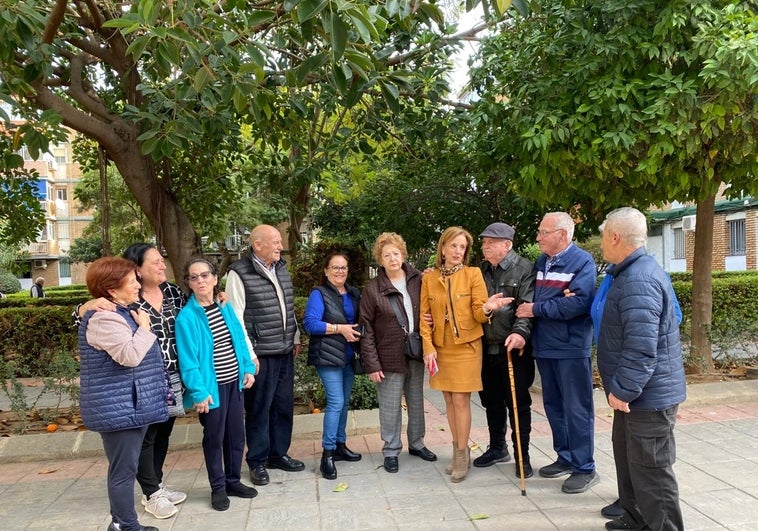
x: 563, y: 221
x: 629, y: 223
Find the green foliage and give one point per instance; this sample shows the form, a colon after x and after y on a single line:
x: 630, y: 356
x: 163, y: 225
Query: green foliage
x: 602, y: 104
x: 22, y: 215
x: 31, y: 336
x: 61, y: 381
x: 364, y: 393
x: 592, y: 246
x: 531, y: 252
x: 86, y: 249
x: 429, y: 178
x: 208, y: 103
x: 735, y: 313
x: 307, y: 269
x: 8, y: 282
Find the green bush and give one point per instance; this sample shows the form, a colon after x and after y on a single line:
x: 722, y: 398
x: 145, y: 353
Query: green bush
x: 308, y: 388
x: 734, y: 323
x: 308, y: 268
x: 8, y: 282
x: 28, y: 302
x: 63, y: 384
x: 30, y: 337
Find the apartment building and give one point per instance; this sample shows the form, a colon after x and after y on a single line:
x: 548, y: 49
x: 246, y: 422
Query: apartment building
x: 671, y: 238
x: 58, y: 176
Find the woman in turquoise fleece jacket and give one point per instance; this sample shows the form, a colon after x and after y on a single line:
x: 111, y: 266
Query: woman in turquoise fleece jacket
x: 216, y: 366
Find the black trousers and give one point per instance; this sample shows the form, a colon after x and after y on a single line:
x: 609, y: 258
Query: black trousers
x: 122, y: 449
x: 224, y: 437
x: 497, y: 399
x: 153, y: 455
x: 645, y: 450
x: 270, y: 409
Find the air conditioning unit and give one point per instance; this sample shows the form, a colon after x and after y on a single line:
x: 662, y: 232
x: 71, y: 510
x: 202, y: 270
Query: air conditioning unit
x: 40, y: 264
x: 688, y: 223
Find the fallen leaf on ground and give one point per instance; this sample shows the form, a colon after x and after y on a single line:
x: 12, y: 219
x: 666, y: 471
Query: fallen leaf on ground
x: 47, y: 471
x: 474, y: 446
x: 342, y: 487
x: 480, y: 516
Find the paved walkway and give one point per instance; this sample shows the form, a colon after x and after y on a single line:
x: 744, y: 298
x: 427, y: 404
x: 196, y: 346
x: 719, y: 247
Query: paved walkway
x: 57, y: 481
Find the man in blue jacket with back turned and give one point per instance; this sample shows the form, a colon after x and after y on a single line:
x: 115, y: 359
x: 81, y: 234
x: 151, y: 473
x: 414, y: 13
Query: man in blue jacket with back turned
x: 640, y: 362
x: 561, y: 341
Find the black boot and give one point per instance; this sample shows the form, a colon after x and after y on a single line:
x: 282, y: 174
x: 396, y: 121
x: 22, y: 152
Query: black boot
x: 328, y: 470
x: 343, y: 453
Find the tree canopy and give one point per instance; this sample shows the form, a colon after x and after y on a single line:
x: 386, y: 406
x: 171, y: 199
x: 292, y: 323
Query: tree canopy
x: 626, y: 102
x: 168, y: 88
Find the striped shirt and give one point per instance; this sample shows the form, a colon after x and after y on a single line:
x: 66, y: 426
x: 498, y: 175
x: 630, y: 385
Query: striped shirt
x: 224, y: 361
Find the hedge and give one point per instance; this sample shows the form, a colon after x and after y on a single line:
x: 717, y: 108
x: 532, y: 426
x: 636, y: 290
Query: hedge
x: 31, y: 330
x: 29, y: 337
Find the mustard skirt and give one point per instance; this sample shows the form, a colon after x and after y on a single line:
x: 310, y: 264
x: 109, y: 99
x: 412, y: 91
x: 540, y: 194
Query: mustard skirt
x: 460, y: 366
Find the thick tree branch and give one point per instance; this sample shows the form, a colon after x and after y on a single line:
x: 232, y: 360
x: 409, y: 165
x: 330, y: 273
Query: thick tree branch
x: 106, y: 134
x: 54, y: 21
x: 86, y: 98
x: 466, y: 35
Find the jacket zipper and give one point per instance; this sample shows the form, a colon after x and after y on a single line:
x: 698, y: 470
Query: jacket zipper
x: 451, y: 311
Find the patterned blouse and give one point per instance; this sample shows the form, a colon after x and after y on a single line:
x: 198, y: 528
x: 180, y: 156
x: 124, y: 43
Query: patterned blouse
x: 163, y: 321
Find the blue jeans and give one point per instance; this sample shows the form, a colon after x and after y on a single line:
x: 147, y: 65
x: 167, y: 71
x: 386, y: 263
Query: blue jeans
x: 338, y: 384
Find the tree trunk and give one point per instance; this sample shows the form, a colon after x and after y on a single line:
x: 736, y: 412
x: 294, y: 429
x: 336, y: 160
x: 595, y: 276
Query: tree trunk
x: 105, y: 205
x: 701, y: 358
x: 297, y: 210
x: 173, y: 229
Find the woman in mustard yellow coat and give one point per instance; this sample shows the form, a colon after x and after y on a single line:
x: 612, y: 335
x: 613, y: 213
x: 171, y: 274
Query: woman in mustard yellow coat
x: 455, y: 296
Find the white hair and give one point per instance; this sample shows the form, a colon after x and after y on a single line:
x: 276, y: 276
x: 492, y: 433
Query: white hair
x: 629, y: 223
x: 563, y: 221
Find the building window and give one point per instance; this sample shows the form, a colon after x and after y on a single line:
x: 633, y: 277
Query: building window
x: 63, y: 230
x: 737, y: 238
x: 62, y: 194
x: 64, y: 267
x: 679, y: 251
x: 59, y: 152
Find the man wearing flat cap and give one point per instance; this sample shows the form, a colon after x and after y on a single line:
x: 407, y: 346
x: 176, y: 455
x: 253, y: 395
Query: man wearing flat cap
x: 512, y: 275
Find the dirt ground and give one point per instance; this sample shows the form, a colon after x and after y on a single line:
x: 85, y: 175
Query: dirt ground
x: 48, y: 420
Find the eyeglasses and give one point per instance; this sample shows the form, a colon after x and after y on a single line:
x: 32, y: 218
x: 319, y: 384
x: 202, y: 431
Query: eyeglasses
x: 543, y: 232
x: 205, y: 276
x: 338, y: 269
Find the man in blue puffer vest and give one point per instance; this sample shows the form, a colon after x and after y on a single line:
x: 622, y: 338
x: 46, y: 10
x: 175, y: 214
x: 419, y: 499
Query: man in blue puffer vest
x: 640, y: 362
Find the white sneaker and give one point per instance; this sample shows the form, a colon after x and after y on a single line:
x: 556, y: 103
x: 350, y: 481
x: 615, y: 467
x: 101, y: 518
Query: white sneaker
x: 174, y: 496
x: 159, y: 506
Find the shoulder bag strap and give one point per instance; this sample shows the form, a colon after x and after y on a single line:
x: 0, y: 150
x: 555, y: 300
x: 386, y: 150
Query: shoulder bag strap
x: 399, y: 314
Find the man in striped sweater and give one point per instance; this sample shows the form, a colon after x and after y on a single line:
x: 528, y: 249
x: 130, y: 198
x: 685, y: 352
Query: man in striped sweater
x: 561, y: 341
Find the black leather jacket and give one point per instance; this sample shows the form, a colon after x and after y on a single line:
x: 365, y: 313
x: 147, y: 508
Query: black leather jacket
x: 513, y: 277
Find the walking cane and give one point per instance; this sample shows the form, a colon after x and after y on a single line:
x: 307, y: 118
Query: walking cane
x: 519, y: 452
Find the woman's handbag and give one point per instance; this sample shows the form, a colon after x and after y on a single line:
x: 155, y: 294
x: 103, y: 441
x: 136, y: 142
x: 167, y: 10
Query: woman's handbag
x: 414, y: 349
x: 358, y: 367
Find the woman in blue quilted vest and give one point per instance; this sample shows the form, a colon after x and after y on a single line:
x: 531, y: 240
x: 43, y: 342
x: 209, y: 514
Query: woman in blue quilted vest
x: 123, y: 385
x: 331, y: 314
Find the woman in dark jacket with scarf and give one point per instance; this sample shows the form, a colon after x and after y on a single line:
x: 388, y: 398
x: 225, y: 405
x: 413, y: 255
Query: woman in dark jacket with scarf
x: 383, y: 349
x: 331, y: 314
